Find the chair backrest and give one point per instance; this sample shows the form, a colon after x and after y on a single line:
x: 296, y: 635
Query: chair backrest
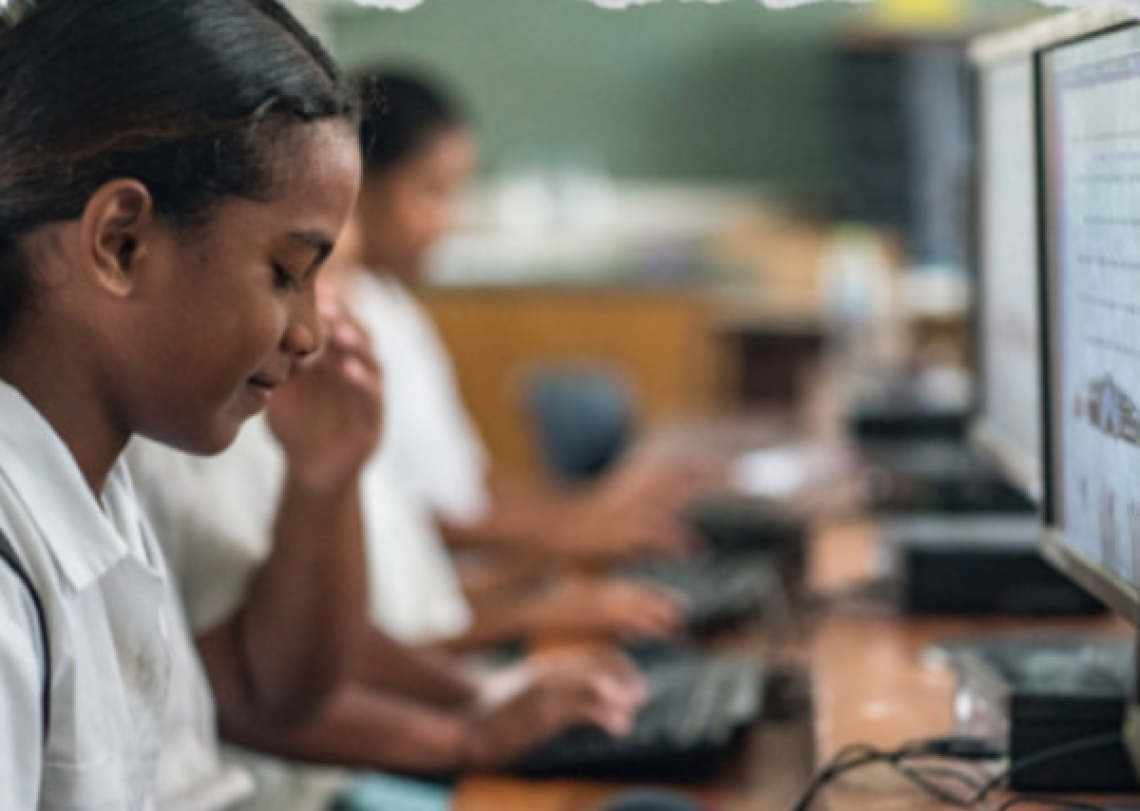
x: 582, y: 417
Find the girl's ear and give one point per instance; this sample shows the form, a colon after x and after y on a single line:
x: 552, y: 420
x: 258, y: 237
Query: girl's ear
x: 114, y: 231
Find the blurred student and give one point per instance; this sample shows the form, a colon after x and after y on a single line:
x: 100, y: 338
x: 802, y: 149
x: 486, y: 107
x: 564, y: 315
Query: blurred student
x: 157, y: 265
x: 418, y: 153
x: 416, y: 595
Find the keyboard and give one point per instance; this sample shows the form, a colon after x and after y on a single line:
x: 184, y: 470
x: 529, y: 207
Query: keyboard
x: 729, y: 525
x: 718, y: 589
x: 695, y: 711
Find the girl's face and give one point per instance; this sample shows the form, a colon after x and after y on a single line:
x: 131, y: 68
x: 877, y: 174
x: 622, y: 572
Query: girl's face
x: 228, y: 310
x: 407, y: 210
x: 342, y: 265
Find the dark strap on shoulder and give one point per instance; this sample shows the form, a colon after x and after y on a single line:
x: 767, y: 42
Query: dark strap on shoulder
x: 9, y: 556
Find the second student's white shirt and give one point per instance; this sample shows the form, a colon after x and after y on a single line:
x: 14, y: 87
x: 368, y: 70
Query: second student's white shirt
x: 215, y: 520
x: 430, y: 444
x: 125, y: 680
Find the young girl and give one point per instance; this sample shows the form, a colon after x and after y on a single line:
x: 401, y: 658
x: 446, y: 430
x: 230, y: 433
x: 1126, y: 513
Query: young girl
x: 172, y: 175
x: 223, y: 525
x: 418, y: 152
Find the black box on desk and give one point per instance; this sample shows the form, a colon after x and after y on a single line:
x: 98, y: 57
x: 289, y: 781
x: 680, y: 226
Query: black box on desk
x: 1042, y: 722
x: 1042, y: 693
x: 976, y: 565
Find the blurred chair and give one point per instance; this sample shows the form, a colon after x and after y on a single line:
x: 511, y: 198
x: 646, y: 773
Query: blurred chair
x: 582, y: 417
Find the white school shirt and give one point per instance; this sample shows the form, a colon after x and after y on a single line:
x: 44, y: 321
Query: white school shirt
x: 430, y: 444
x: 215, y: 520
x: 193, y: 775
x: 118, y: 647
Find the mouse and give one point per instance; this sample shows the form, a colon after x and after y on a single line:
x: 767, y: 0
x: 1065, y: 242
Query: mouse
x: 649, y: 800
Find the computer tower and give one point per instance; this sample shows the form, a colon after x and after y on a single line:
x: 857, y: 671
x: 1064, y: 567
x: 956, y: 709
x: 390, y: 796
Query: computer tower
x: 985, y: 565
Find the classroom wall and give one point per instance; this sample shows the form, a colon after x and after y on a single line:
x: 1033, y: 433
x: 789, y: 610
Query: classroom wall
x: 728, y: 91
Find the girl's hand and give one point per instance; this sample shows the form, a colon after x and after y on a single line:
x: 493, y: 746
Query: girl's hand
x: 615, y: 609
x: 634, y: 512
x: 328, y: 415
x: 552, y: 694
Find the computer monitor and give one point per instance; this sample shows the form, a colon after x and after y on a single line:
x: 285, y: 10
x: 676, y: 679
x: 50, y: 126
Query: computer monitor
x: 1088, y: 125
x: 1090, y: 170
x: 1006, y: 424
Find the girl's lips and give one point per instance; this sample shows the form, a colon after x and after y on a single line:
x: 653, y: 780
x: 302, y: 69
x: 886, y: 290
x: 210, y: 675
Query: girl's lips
x: 270, y: 378
x: 261, y: 389
x: 260, y: 392
x: 264, y: 383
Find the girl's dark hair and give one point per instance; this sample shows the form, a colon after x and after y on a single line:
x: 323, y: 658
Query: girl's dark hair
x: 189, y: 97
x: 402, y: 114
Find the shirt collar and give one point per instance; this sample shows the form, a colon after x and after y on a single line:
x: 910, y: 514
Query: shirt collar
x: 85, y: 538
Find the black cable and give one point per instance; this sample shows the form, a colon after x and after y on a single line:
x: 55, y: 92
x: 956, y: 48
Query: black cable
x: 959, y: 747
x: 856, y: 756
x: 954, y: 748
x: 846, y: 759
x: 970, y: 780
x: 924, y: 778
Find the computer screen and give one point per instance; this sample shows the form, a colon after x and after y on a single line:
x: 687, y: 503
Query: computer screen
x: 1007, y: 423
x: 1090, y: 170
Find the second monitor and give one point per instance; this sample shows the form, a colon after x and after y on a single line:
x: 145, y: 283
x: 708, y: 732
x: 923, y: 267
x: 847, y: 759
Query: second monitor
x: 990, y: 563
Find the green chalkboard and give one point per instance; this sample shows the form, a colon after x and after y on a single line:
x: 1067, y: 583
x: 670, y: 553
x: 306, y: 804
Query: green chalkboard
x: 730, y: 91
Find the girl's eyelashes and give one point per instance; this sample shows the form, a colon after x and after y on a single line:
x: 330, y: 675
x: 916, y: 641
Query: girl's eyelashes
x: 283, y: 280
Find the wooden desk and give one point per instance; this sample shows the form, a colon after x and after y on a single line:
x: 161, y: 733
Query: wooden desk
x: 868, y: 681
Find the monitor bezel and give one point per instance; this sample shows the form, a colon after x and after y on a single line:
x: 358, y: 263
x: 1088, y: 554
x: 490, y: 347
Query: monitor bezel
x: 1025, y: 471
x: 1105, y: 585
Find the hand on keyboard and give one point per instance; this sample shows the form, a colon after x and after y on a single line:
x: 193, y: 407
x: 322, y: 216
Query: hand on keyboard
x: 553, y: 694
x: 636, y: 511
x: 694, y: 709
x: 620, y: 610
